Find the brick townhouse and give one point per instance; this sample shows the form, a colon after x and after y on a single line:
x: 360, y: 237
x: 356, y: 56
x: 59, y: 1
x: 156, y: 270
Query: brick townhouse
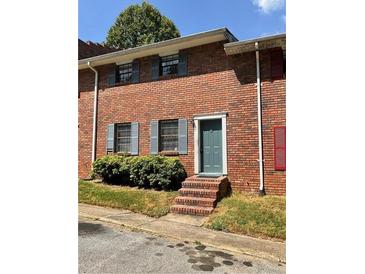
x: 213, y: 101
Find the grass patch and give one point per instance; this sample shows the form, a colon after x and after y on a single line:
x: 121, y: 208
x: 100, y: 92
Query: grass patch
x: 251, y: 215
x: 149, y: 202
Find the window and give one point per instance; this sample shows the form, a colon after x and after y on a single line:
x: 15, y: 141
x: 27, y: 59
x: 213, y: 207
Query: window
x: 168, y: 135
x: 123, y: 138
x: 124, y: 73
x: 280, y: 147
x: 169, y: 64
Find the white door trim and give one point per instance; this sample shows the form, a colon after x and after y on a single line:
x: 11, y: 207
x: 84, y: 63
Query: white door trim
x: 197, y: 119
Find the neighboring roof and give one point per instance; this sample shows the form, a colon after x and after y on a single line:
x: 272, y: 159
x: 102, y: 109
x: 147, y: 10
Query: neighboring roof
x: 163, y: 47
x: 266, y: 42
x: 89, y: 49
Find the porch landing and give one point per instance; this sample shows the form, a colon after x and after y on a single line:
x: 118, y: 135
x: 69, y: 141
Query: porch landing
x: 199, y: 195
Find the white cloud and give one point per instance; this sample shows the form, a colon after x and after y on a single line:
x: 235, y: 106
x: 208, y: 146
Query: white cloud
x: 267, y: 6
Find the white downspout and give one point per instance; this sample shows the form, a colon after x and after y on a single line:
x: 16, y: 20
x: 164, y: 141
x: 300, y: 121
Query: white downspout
x: 93, y: 153
x: 259, y: 121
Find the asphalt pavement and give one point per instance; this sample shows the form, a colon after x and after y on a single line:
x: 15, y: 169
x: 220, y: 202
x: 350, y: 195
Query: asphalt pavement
x: 109, y: 248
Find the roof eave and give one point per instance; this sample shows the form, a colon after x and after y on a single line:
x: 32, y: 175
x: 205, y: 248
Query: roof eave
x: 160, y: 47
x: 267, y: 42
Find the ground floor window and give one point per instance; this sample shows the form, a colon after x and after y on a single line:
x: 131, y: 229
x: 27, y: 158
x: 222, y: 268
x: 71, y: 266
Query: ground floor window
x: 168, y: 135
x: 123, y: 138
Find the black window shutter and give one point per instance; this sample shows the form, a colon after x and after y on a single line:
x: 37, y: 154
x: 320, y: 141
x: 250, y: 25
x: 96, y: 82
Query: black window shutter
x: 155, y: 67
x: 182, y: 69
x: 135, y: 71
x: 111, y: 77
x: 276, y: 56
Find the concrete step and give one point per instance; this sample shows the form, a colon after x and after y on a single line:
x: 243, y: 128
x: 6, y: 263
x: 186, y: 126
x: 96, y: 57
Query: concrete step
x: 193, y: 201
x: 199, y: 193
x: 192, y: 210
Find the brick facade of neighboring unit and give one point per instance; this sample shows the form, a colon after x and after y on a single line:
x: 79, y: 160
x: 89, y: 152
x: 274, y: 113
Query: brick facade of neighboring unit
x: 89, y: 49
x: 216, y: 82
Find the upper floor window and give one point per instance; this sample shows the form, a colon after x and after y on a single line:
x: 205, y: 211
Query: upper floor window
x: 169, y: 64
x: 123, y: 138
x: 169, y: 135
x: 124, y: 73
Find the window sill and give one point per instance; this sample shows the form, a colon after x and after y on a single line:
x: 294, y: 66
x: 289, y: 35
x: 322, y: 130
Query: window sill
x: 119, y: 153
x: 169, y: 153
x: 123, y: 153
x: 122, y: 84
x: 170, y: 76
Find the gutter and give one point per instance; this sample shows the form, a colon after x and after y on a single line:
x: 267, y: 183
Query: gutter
x: 259, y: 120
x: 96, y: 95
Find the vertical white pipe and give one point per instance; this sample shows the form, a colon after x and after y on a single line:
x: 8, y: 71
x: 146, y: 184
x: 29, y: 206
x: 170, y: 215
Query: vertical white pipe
x: 93, y: 151
x: 259, y: 121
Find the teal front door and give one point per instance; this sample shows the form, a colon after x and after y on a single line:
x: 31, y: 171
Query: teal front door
x: 211, y: 146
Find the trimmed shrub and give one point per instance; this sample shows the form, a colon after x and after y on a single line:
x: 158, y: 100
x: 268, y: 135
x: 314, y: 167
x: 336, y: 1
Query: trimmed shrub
x: 168, y: 173
x: 143, y: 171
x: 140, y: 168
x: 112, y: 169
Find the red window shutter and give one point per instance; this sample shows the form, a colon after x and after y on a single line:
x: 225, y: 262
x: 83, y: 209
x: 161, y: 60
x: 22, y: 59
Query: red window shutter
x: 280, y: 147
x: 277, y: 63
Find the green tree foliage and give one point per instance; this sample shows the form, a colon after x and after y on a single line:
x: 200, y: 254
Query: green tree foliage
x: 140, y: 25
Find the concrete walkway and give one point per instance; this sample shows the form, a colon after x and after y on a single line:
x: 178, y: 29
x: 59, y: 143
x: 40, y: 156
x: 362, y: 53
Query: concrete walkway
x: 186, y: 228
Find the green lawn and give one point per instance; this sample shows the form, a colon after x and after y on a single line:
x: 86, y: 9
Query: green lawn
x: 149, y: 202
x: 251, y: 215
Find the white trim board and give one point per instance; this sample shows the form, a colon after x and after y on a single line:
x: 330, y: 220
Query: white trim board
x: 197, y: 119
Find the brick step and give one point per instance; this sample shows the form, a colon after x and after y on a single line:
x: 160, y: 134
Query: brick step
x: 192, y: 210
x: 200, y: 184
x: 193, y: 201
x: 199, y: 193
x: 205, y: 179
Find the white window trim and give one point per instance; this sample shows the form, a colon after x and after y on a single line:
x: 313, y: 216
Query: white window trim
x: 197, y: 119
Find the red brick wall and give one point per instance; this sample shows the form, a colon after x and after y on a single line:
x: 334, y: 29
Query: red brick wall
x: 216, y: 83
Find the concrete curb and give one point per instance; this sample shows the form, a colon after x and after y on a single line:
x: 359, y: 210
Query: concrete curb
x: 181, y: 231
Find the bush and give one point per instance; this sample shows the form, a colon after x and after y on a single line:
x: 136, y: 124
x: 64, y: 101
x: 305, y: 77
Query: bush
x: 112, y: 169
x: 143, y: 171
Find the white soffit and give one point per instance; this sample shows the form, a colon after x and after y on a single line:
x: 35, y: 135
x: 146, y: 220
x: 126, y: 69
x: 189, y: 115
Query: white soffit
x: 268, y: 42
x: 167, y: 53
x: 124, y: 62
x: 160, y: 48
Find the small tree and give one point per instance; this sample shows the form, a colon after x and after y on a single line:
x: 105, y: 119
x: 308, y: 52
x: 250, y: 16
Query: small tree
x: 140, y: 25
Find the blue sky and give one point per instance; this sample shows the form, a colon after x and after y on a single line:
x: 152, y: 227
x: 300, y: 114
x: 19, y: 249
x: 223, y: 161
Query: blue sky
x: 244, y: 18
